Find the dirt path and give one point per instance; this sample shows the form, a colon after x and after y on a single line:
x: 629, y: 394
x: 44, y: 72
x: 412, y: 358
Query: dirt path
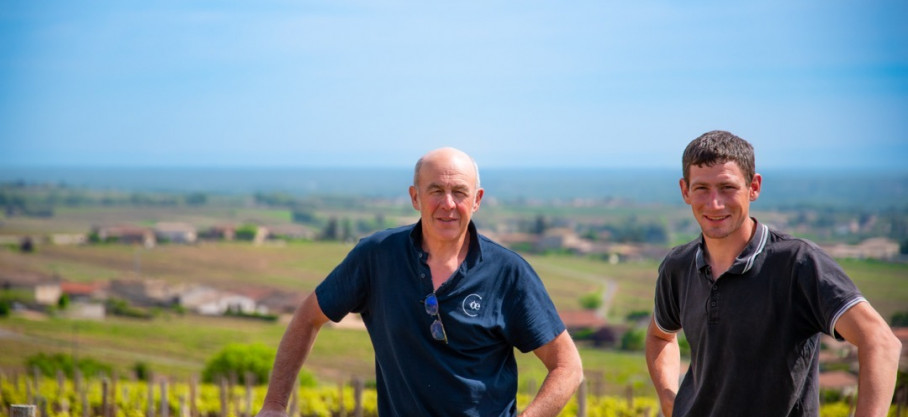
x: 609, y: 285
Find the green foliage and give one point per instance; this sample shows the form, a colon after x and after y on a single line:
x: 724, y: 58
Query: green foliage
x: 632, y: 230
x: 683, y: 344
x: 238, y: 359
x: 638, y: 315
x: 63, y: 302
x: 368, y: 226
x: 236, y: 312
x: 582, y: 334
x: 525, y: 247
x: 307, y: 379
x: 901, y: 381
x: 27, y: 245
x: 16, y: 295
x: 347, y: 230
x: 141, y: 370
x: 275, y: 199
x: 633, y: 339
x: 178, y: 309
x: 246, y: 232
x: 120, y: 307
x: 331, y: 230
x: 540, y: 225
x: 837, y: 409
x: 5, y: 308
x: 899, y: 319
x: 830, y: 396
x: 303, y: 216
x: 48, y: 365
x: 591, y: 301
x: 131, y: 399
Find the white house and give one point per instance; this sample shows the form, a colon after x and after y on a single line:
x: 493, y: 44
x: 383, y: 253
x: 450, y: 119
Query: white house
x: 212, y: 302
x: 175, y: 232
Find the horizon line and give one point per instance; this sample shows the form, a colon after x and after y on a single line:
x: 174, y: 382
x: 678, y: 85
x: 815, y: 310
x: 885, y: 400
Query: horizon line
x: 812, y: 168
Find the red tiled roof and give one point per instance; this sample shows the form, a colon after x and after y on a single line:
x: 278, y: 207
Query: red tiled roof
x: 78, y: 288
x: 838, y: 380
x: 254, y: 293
x: 581, y: 318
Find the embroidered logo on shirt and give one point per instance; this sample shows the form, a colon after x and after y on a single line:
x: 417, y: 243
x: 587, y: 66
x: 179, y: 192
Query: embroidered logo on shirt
x: 471, y: 305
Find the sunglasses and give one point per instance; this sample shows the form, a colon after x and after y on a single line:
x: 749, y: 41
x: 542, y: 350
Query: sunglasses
x: 437, y: 328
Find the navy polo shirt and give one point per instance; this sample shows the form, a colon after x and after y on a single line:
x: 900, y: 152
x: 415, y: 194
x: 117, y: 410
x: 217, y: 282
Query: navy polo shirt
x: 754, y: 332
x: 493, y: 303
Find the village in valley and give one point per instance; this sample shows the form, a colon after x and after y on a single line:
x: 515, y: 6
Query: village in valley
x: 134, y: 287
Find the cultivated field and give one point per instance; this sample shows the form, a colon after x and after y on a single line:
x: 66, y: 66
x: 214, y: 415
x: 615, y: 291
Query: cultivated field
x: 179, y: 345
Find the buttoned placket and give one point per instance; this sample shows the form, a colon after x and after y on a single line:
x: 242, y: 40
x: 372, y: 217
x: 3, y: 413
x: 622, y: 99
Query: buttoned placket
x: 424, y: 271
x: 712, y: 302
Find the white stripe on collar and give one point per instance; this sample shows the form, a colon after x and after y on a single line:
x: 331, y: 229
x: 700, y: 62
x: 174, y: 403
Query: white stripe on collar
x: 764, y: 236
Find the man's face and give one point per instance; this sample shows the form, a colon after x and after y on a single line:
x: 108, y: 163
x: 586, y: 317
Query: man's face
x: 720, y: 197
x: 446, y: 197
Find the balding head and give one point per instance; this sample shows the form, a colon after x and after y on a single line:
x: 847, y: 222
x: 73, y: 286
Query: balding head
x: 446, y: 155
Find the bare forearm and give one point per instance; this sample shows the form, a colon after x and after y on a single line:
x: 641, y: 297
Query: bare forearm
x: 876, y: 380
x: 663, y: 359
x: 878, y: 357
x: 290, y: 357
x: 557, y: 389
x: 292, y: 353
x: 565, y: 367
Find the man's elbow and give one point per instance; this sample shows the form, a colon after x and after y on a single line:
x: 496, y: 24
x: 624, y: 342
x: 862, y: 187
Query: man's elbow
x: 570, y: 369
x: 894, y: 346
x: 576, y: 375
x: 575, y: 370
x: 883, y: 346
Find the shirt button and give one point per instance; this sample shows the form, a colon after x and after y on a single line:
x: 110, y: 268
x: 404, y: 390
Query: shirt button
x: 422, y: 275
x: 712, y: 304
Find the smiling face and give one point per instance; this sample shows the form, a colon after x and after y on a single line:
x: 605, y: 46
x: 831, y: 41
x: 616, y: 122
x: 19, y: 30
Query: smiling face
x: 446, y: 194
x: 719, y: 196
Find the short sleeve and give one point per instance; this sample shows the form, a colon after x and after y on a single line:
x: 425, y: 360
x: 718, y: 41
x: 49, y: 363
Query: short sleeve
x: 344, y: 289
x: 666, y: 311
x: 530, y: 316
x: 828, y: 291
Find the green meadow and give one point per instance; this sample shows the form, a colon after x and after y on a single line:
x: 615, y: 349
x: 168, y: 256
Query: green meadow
x: 179, y: 344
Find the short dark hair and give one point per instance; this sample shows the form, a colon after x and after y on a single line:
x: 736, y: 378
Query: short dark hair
x: 719, y: 147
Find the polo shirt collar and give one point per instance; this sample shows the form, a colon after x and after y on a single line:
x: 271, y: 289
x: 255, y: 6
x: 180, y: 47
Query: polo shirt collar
x: 474, y: 255
x: 745, y: 261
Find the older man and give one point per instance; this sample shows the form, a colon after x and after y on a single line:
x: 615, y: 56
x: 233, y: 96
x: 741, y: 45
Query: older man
x: 444, y: 306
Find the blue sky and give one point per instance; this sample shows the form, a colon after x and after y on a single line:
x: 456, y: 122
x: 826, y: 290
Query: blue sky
x: 811, y: 83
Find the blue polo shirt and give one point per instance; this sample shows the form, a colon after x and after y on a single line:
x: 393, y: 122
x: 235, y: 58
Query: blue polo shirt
x: 754, y: 332
x: 493, y: 303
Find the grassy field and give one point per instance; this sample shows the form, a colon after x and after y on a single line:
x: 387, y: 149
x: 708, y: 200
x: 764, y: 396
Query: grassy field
x: 179, y: 345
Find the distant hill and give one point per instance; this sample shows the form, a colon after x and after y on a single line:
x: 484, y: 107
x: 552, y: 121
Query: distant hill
x: 847, y: 189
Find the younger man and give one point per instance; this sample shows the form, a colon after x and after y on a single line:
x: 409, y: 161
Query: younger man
x: 752, y: 303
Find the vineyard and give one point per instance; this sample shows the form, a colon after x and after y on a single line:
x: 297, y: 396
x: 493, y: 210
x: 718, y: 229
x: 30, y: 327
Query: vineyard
x: 112, y: 397
x: 106, y: 397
